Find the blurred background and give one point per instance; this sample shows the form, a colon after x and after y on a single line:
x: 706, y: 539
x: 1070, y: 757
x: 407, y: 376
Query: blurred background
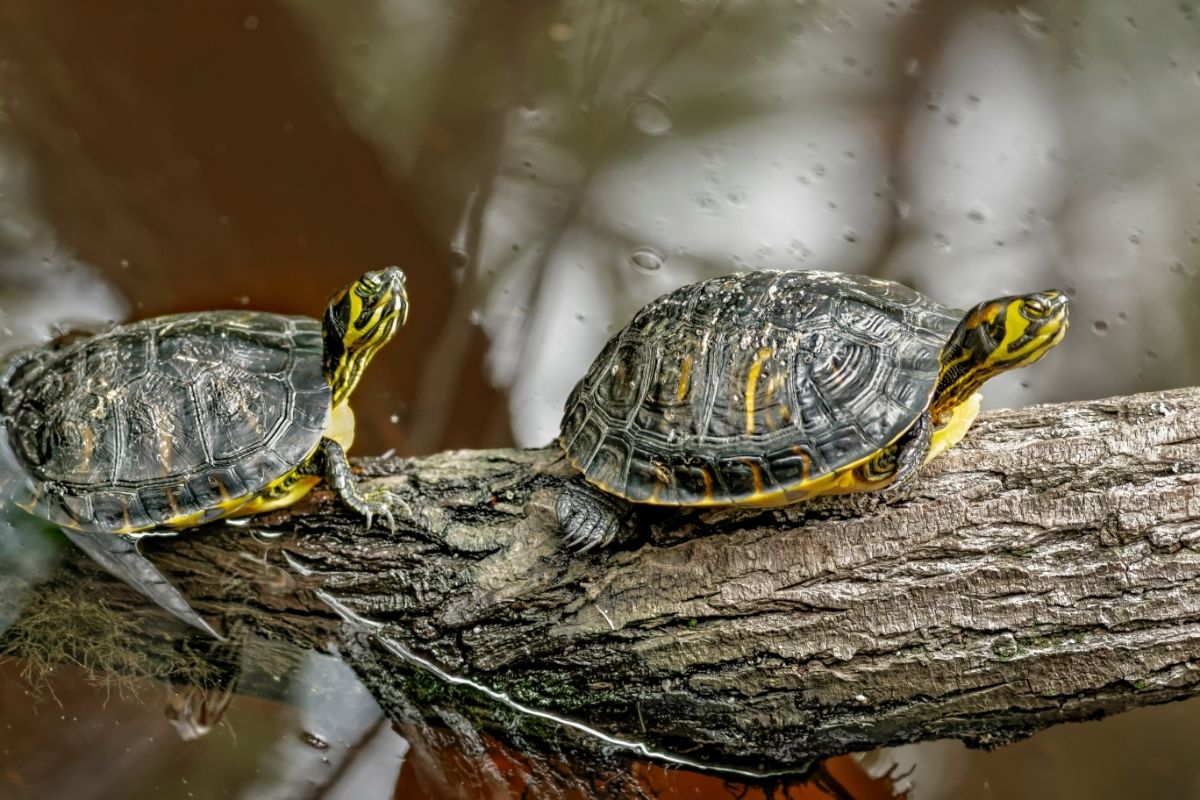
x: 540, y: 169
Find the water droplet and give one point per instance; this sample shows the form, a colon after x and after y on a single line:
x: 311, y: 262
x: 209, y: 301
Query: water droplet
x: 395, y: 419
x: 314, y: 741
x: 1135, y: 238
x: 737, y: 197
x: 976, y: 214
x: 475, y: 317
x: 819, y: 170
x: 953, y: 120
x: 972, y: 101
x: 1024, y: 385
x: 941, y: 241
x: 650, y: 116
x: 646, y: 259
x: 795, y: 31
x: 250, y: 23
x: 1100, y: 327
x: 850, y: 235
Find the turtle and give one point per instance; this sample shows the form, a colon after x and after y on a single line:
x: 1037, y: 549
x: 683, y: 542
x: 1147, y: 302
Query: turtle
x: 172, y: 422
x: 767, y: 388
x: 175, y: 421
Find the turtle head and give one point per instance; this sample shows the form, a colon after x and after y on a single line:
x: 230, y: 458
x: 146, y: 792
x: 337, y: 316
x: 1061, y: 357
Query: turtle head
x: 995, y: 336
x: 359, y: 320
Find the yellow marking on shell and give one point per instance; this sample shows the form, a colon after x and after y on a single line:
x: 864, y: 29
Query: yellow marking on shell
x: 89, y: 443
x: 172, y: 500
x: 752, y: 384
x: 756, y: 475
x: 840, y: 481
x: 774, y: 385
x: 685, y: 376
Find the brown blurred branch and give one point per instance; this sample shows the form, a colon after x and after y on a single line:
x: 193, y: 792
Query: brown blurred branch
x: 1044, y: 571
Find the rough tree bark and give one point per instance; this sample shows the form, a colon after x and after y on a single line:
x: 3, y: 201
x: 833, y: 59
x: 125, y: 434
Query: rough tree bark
x: 1043, y: 571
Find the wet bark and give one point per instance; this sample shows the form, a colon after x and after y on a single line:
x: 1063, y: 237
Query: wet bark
x: 1045, y: 570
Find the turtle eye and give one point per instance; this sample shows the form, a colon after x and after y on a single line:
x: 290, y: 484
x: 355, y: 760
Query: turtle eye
x: 1036, y: 306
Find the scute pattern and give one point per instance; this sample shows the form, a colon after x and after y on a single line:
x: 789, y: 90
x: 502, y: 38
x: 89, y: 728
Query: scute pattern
x: 754, y: 382
x: 159, y: 419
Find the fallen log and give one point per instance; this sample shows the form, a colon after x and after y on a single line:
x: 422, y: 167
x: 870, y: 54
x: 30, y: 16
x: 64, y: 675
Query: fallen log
x: 1043, y: 571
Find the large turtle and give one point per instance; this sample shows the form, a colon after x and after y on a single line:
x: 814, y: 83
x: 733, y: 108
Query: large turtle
x: 768, y: 388
x: 175, y: 421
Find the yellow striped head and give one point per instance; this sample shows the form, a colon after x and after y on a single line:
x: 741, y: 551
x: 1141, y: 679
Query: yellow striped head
x: 359, y: 320
x: 995, y: 336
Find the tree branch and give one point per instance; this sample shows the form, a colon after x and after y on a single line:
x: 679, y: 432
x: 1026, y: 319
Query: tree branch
x: 1045, y: 570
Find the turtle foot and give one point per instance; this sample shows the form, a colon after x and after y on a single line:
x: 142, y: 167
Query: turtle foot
x: 588, y: 517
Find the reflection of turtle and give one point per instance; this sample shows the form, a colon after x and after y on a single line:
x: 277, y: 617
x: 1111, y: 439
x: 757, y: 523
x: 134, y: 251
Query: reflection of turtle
x: 178, y: 420
x: 767, y: 388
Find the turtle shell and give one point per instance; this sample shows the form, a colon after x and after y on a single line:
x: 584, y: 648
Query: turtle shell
x: 751, y: 388
x: 175, y: 418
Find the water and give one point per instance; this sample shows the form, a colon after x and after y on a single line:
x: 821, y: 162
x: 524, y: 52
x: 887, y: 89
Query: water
x: 515, y: 162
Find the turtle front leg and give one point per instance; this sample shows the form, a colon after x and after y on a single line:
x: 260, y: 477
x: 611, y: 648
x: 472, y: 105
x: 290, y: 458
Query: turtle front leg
x: 589, y: 517
x: 911, y: 453
x: 376, y: 503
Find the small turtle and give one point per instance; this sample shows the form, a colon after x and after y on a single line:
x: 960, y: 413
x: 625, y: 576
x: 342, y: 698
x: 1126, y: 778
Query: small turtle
x: 175, y: 421
x: 768, y: 388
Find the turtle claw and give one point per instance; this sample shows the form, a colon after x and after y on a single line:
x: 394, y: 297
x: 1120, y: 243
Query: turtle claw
x: 371, y: 503
x: 383, y: 504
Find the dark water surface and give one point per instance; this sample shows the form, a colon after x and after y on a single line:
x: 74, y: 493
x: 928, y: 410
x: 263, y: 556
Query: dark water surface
x: 540, y: 170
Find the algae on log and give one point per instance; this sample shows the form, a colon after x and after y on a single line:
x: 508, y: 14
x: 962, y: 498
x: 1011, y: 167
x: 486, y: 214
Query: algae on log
x: 1043, y: 571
